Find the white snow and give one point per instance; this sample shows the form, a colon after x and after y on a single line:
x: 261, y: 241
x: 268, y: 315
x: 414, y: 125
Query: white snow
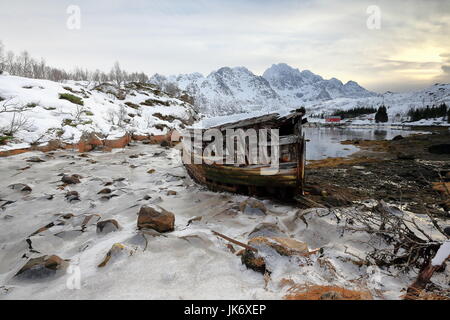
x: 442, y: 254
x: 189, y: 263
x: 47, y: 112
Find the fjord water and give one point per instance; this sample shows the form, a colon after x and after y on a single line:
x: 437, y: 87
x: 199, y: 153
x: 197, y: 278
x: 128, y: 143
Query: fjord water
x: 326, y: 142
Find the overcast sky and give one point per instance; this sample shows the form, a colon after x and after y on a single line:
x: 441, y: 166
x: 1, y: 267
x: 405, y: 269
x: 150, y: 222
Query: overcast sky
x: 331, y: 38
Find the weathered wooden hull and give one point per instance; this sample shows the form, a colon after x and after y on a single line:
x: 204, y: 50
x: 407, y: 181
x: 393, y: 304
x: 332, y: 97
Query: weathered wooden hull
x: 284, y: 179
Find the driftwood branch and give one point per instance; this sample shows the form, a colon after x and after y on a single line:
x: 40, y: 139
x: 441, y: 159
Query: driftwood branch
x: 246, y: 246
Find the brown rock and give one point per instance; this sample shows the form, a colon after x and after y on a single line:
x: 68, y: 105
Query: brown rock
x: 171, y: 193
x: 42, y: 267
x: 151, y: 171
x: 253, y: 261
x: 107, y: 226
x: 115, y: 251
x: 155, y: 218
x: 73, y: 179
x: 21, y: 186
x: 105, y: 191
x: 35, y: 159
x: 283, y: 246
x: 72, y: 196
x: 265, y: 229
x: 89, y: 219
x: 253, y: 207
x: 331, y: 295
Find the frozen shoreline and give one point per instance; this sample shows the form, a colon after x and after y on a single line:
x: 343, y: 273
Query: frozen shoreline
x: 189, y: 263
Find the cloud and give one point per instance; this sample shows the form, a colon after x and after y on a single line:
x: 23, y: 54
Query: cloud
x: 180, y: 36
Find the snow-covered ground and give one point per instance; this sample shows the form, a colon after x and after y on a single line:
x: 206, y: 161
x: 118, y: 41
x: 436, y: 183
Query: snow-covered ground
x: 188, y: 263
x: 137, y: 108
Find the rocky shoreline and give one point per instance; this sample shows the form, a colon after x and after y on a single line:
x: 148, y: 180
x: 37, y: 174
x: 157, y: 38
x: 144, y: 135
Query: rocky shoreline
x: 412, y: 172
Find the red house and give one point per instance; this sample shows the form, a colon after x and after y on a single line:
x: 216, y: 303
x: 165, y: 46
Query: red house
x: 333, y: 119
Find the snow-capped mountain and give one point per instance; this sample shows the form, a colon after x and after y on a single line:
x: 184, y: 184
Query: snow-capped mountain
x: 225, y: 91
x: 296, y: 87
x: 232, y: 90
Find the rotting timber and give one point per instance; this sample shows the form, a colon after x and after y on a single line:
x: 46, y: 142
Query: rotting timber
x: 254, y: 179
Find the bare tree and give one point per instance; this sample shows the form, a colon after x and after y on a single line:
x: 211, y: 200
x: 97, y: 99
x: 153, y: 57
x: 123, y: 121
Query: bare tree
x: 117, y: 74
x: 2, y: 58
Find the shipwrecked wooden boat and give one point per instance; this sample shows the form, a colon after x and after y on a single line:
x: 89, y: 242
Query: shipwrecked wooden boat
x: 279, y: 139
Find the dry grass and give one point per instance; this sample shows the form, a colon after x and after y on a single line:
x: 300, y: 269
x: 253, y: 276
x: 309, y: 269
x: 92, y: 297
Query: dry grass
x: 334, y: 162
x: 373, y: 145
x: 317, y: 292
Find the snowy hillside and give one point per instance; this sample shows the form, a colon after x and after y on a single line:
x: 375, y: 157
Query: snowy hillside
x: 36, y: 111
x: 397, y: 104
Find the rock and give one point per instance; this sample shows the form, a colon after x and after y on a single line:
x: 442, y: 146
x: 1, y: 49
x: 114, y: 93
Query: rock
x: 399, y: 137
x: 283, y: 246
x: 108, y: 196
x: 266, y: 229
x: 35, y: 159
x: 105, y: 191
x: 116, y: 250
x: 72, y: 196
x: 151, y: 171
x: 447, y: 231
x: 253, y: 207
x: 21, y: 187
x: 253, y: 261
x: 332, y: 295
x: 42, y: 267
x: 73, y: 179
x: 440, y: 148
x: 42, y: 229
x: 171, y: 193
x: 155, y: 218
x: 107, y: 226
x: 146, y: 142
x: 405, y: 156
x: 165, y: 144
x: 134, y: 156
x: 89, y: 220
x: 196, y: 218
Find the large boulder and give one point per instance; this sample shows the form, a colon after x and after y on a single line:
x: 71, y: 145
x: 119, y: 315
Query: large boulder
x: 42, y: 267
x: 156, y: 218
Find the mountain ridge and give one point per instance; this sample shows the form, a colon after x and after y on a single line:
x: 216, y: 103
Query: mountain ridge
x: 229, y: 90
